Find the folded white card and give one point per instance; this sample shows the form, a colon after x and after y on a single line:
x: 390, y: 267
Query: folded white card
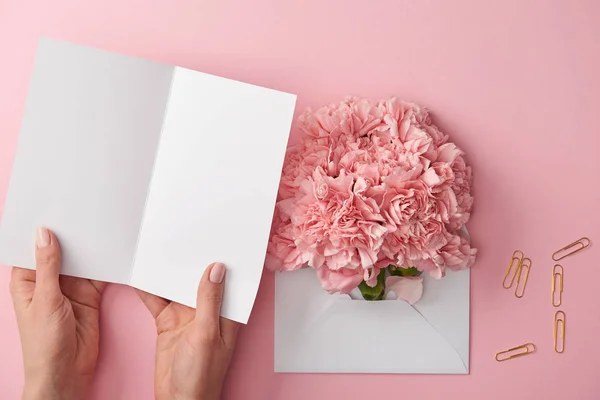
x: 318, y: 332
x: 146, y: 172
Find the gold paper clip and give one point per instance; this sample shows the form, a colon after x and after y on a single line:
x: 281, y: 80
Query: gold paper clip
x: 557, y: 272
x: 515, y: 263
x: 525, y: 266
x: 528, y: 349
x: 578, y: 244
x: 559, y: 340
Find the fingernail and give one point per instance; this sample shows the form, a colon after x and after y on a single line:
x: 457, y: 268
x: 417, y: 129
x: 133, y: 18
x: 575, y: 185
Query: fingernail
x: 217, y: 273
x: 42, y: 239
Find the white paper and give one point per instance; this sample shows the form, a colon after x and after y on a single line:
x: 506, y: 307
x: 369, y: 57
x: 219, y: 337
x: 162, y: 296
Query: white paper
x: 107, y: 138
x: 322, y: 333
x: 84, y: 158
x: 214, y: 189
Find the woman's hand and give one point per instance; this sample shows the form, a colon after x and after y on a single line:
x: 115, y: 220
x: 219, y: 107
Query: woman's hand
x: 194, y: 347
x: 58, y: 325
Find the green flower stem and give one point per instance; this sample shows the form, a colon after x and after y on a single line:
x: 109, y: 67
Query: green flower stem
x: 376, y: 292
x: 399, y: 271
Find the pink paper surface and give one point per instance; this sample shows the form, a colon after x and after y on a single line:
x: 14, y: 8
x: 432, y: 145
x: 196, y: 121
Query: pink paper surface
x: 515, y: 83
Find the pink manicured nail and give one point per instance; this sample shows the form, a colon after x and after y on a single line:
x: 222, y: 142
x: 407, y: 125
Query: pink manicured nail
x: 42, y: 239
x: 217, y: 273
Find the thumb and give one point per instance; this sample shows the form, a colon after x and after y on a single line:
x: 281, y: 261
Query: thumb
x: 47, y: 261
x: 210, y: 297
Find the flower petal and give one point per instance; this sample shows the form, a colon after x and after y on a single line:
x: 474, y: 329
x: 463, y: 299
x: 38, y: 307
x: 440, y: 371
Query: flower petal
x: 342, y: 281
x: 409, y: 289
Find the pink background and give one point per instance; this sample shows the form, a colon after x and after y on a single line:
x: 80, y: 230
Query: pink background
x: 515, y: 83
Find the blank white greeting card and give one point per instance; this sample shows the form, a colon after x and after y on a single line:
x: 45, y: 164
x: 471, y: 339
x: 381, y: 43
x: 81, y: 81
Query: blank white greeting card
x: 146, y: 172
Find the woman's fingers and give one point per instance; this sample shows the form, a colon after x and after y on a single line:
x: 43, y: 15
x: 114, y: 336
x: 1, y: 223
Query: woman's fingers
x: 22, y: 286
x: 208, y: 306
x: 19, y: 275
x: 229, y: 331
x: 209, y: 299
x: 25, y: 283
x: 99, y: 285
x: 47, y: 257
x: 153, y: 303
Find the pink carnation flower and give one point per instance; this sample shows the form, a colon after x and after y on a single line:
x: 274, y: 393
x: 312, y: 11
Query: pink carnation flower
x: 372, y: 184
x: 329, y: 227
x: 414, y: 224
x: 462, y: 189
x: 300, y: 162
x: 282, y: 252
x: 353, y: 117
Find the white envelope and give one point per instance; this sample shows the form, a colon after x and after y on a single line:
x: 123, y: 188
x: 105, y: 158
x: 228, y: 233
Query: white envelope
x: 323, y: 333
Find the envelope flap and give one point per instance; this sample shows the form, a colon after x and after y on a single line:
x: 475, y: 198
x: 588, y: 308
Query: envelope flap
x: 446, y: 306
x: 317, y: 332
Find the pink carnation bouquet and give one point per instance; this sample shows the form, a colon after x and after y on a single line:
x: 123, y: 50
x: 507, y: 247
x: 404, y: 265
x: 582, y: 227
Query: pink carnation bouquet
x: 372, y: 197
